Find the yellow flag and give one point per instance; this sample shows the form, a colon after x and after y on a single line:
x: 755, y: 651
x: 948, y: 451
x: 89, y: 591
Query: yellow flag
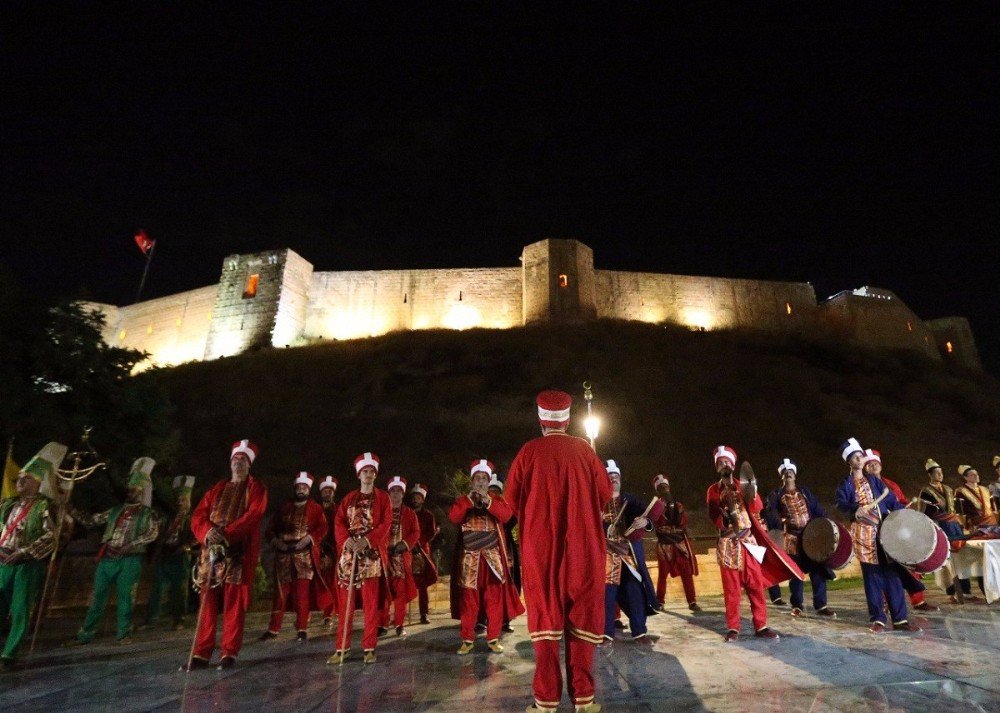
x: 10, y: 471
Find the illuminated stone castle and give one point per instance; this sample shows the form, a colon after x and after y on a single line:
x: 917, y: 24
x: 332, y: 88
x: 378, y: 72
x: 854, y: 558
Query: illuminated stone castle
x: 276, y: 298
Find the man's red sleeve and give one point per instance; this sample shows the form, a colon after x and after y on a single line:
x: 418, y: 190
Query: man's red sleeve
x: 500, y: 509
x: 410, y: 527
x: 458, y: 509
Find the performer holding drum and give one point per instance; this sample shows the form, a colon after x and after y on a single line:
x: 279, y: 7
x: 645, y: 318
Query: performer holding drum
x: 867, y: 500
x: 792, y: 508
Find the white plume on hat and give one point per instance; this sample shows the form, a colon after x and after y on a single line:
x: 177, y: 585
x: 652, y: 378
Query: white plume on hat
x: 612, y: 467
x: 495, y: 482
x: 419, y: 488
x: 303, y: 478
x: 328, y: 482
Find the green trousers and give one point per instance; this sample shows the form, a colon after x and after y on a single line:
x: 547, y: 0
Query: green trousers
x: 171, y: 574
x: 20, y: 586
x: 124, y: 575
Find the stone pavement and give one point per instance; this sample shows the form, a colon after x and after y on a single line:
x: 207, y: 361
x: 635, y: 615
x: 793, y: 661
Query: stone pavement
x: 954, y: 665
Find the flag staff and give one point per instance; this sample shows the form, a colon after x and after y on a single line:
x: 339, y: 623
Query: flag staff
x: 142, y: 240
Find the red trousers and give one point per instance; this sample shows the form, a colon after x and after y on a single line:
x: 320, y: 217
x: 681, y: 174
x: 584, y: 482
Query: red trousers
x: 547, y: 685
x: 369, y: 593
x: 488, y: 596
x: 683, y: 565
x: 298, y: 590
x: 749, y: 580
x: 233, y: 599
x: 399, y: 606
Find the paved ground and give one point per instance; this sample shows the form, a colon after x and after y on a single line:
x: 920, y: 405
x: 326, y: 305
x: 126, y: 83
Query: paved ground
x: 817, y: 666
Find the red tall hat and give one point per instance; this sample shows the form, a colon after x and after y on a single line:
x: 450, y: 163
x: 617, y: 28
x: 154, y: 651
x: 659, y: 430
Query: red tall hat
x: 396, y: 482
x: 661, y: 478
x: 365, y: 459
x: 553, y: 408
x: 250, y: 450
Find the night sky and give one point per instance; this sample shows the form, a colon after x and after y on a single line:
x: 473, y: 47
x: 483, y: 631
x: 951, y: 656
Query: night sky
x: 850, y: 148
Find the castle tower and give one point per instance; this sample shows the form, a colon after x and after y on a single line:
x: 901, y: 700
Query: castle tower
x: 558, y: 281
x: 261, y: 301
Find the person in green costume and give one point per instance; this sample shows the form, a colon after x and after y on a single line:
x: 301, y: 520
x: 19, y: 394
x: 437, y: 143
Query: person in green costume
x: 172, y: 559
x: 128, y: 530
x: 27, y: 536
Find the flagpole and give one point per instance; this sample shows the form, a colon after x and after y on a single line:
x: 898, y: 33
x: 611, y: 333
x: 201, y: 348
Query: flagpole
x: 145, y: 271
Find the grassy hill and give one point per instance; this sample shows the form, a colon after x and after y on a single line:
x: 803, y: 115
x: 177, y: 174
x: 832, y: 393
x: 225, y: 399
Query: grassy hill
x: 429, y: 402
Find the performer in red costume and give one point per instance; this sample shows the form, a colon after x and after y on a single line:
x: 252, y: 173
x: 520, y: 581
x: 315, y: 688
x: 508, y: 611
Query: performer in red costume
x: 481, y: 578
x: 403, y: 537
x: 227, y: 523
x: 558, y: 486
x: 362, y: 527
x: 325, y: 588
x: 748, y: 560
x: 424, y: 570
x: 295, y: 533
x: 674, y: 553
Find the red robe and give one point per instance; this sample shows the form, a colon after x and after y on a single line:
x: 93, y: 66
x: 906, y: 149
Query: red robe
x: 378, y: 536
x: 501, y: 513
x: 244, y: 530
x: 316, y: 526
x: 777, y: 565
x: 897, y: 491
x: 675, y: 517
x: 326, y: 597
x: 558, y: 486
x: 428, y: 531
x: 409, y: 530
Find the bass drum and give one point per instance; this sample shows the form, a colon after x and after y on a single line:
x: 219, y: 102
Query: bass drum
x: 828, y: 543
x: 913, y: 540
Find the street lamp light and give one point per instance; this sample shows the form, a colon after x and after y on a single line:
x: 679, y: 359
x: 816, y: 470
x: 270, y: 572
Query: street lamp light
x: 591, y: 424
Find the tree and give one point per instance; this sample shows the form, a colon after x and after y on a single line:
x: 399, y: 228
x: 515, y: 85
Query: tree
x: 57, y: 376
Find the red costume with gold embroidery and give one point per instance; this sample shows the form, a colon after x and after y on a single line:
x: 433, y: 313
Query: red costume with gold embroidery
x: 236, y: 509
x: 481, y: 574
x: 402, y: 589
x: 368, y: 517
x: 326, y: 596
x: 296, y: 572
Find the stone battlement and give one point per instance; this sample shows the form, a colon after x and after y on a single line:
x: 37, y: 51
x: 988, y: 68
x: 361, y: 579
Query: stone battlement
x: 276, y: 298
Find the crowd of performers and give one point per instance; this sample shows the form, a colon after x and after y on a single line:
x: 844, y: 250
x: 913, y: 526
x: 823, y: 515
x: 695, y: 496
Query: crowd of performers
x: 539, y: 542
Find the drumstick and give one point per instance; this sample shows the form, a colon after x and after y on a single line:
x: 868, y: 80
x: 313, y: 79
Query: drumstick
x: 645, y: 512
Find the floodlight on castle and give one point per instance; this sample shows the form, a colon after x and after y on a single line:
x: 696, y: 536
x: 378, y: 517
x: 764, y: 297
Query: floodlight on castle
x: 276, y: 298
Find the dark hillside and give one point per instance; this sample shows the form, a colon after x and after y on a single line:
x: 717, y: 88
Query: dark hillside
x: 428, y: 402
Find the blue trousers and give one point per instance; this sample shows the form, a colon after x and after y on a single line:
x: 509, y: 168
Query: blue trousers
x: 882, y: 585
x: 629, y: 596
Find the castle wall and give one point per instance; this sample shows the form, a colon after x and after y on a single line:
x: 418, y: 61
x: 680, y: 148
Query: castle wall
x: 704, y: 302
x: 275, y: 298
x: 953, y: 336
x: 346, y: 305
x: 878, y: 318
x: 172, y: 329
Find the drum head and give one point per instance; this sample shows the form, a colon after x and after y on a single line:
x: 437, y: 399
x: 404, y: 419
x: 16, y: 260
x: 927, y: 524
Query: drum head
x: 908, y: 536
x: 819, y: 539
x: 777, y: 536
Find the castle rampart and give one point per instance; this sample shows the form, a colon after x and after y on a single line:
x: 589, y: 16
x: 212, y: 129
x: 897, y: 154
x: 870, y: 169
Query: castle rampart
x: 275, y: 298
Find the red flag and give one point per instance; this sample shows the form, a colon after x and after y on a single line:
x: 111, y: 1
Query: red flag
x: 144, y: 242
